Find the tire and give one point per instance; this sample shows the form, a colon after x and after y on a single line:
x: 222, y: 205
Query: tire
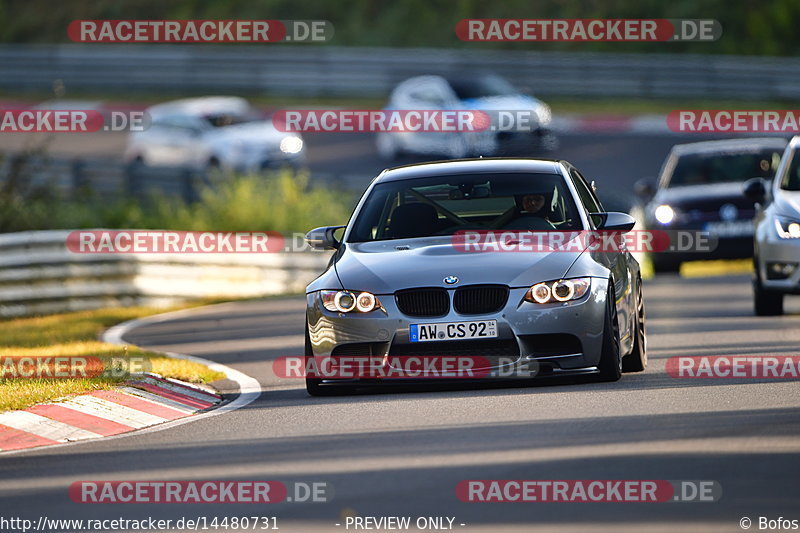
x: 313, y: 386
x: 766, y: 303
x: 665, y: 266
x: 549, y: 143
x: 610, y: 366
x: 636, y: 361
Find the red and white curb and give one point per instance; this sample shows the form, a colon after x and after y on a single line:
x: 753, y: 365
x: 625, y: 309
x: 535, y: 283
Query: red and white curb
x: 148, y: 403
x: 140, y: 403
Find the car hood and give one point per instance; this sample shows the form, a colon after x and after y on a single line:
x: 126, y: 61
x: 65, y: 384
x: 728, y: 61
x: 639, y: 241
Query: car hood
x: 259, y: 132
x: 381, y: 268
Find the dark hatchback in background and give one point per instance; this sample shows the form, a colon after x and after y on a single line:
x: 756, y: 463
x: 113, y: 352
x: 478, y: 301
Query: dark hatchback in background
x: 700, y: 189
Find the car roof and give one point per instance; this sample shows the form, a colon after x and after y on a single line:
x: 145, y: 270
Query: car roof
x: 202, y: 106
x: 730, y: 145
x: 470, y: 166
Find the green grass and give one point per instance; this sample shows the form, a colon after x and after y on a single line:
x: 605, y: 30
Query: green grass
x: 626, y: 106
x: 573, y: 105
x: 282, y: 202
x: 75, y: 334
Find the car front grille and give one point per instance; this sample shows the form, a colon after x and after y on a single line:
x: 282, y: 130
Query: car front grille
x: 492, y: 352
x: 480, y: 299
x: 427, y: 302
x: 360, y: 349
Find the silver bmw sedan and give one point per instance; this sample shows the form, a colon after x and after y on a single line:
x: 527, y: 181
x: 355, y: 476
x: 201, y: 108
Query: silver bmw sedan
x: 478, y: 269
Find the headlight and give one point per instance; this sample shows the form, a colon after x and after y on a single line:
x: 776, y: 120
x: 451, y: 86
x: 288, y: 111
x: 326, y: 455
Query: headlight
x: 544, y: 114
x: 665, y: 214
x: 562, y: 290
x: 787, y: 228
x: 347, y: 301
x: 291, y: 144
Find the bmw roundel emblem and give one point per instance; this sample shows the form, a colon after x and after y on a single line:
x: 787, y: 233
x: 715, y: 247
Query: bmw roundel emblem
x: 451, y: 280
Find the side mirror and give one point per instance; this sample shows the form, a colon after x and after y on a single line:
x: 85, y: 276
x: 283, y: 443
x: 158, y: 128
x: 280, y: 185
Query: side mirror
x: 614, y: 221
x: 755, y: 189
x: 645, y: 188
x: 323, y: 238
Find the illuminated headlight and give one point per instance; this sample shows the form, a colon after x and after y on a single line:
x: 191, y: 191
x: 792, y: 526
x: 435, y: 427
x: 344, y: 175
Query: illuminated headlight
x: 787, y: 228
x: 544, y: 114
x: 291, y: 144
x: 562, y: 290
x: 665, y: 214
x: 347, y: 301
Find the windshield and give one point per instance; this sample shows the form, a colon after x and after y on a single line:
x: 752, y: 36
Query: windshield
x: 443, y: 205
x: 482, y: 87
x: 791, y: 181
x: 222, y: 119
x: 706, y: 169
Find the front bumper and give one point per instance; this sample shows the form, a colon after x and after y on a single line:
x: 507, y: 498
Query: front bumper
x: 777, y: 250
x: 534, y: 339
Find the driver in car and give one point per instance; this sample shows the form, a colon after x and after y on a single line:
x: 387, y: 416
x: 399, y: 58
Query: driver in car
x: 532, y: 212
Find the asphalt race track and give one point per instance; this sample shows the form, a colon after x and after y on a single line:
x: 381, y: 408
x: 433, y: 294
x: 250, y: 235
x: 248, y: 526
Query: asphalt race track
x: 402, y: 453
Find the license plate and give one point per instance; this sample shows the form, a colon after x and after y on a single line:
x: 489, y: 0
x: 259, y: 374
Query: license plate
x: 736, y: 228
x: 453, y: 331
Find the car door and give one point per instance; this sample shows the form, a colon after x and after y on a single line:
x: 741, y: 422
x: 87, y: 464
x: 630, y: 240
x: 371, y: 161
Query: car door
x: 175, y: 141
x: 616, y: 261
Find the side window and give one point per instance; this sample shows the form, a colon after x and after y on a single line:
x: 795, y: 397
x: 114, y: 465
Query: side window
x: 588, y: 199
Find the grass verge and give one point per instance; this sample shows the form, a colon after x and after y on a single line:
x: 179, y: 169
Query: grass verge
x: 594, y: 106
x: 75, y: 334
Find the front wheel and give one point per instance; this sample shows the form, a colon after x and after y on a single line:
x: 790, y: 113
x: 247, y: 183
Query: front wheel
x: 766, y: 303
x: 636, y: 361
x: 663, y: 265
x: 313, y: 385
x: 610, y: 366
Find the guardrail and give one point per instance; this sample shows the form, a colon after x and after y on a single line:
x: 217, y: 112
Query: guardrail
x: 106, y: 178
x: 349, y: 71
x: 38, y: 275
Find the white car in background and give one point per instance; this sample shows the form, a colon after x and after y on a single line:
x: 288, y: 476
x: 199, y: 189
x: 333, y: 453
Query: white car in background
x: 776, y: 243
x: 223, y: 132
x: 488, y: 93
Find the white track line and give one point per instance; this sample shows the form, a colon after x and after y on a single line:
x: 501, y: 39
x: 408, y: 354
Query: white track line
x: 249, y: 388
